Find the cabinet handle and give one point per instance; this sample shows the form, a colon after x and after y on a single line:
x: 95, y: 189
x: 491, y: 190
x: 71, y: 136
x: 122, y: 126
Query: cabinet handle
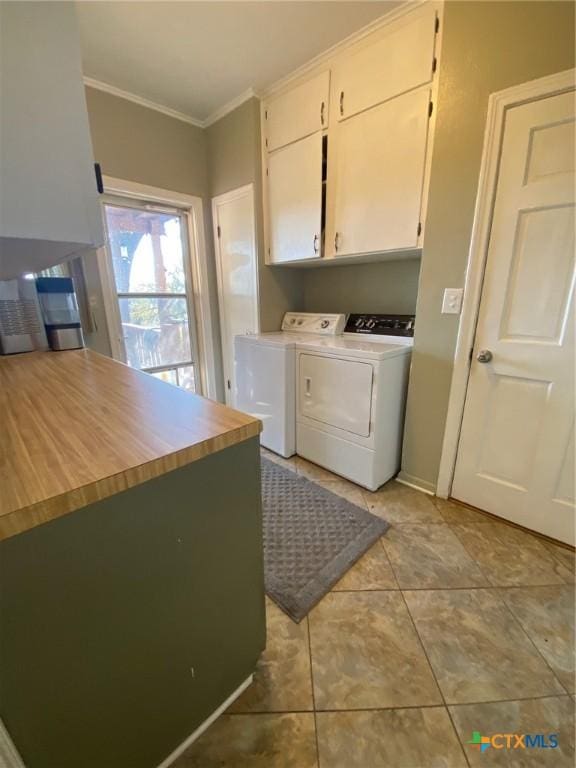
x: 341, y: 102
x: 336, y: 240
x: 99, y: 181
x: 315, y: 243
x: 322, y: 107
x: 308, y: 383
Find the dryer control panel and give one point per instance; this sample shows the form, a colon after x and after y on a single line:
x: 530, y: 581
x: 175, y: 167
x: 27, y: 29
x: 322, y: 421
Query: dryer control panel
x: 381, y: 325
x: 312, y: 322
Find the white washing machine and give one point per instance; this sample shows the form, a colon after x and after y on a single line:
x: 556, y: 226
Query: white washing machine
x: 351, y: 396
x: 265, y: 374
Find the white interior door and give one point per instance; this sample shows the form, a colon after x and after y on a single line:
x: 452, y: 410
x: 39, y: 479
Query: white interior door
x: 375, y: 177
x: 295, y: 200
x: 516, y: 451
x: 237, y: 268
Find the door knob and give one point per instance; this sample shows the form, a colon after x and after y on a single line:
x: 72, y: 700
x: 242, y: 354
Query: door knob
x: 484, y: 356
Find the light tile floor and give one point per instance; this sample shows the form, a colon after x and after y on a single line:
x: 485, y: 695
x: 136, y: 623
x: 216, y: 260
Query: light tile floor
x: 451, y: 623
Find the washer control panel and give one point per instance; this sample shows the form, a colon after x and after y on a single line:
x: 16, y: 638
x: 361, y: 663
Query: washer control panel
x: 381, y: 325
x: 311, y: 322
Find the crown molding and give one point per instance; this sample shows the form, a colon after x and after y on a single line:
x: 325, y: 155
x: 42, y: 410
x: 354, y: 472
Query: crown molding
x: 212, y: 118
x: 111, y: 89
x: 330, y: 53
x: 231, y: 105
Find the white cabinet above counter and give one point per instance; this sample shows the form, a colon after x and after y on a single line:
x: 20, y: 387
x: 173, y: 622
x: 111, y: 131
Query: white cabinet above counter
x: 49, y: 209
x: 347, y: 147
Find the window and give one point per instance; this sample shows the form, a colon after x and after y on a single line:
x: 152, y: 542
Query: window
x: 151, y: 275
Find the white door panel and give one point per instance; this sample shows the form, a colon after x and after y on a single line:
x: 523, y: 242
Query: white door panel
x: 298, y: 113
x: 336, y: 392
x: 386, y: 66
x: 235, y: 246
x: 375, y: 177
x: 295, y: 200
x: 516, y: 451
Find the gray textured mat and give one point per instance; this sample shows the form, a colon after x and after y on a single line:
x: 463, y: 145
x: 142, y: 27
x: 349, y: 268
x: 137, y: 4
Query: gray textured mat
x: 311, y: 538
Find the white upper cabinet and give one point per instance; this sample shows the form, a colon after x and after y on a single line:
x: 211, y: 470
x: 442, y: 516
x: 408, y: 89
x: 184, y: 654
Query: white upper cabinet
x: 376, y: 170
x: 50, y: 208
x: 382, y: 66
x: 295, y: 201
x: 356, y: 188
x: 297, y: 113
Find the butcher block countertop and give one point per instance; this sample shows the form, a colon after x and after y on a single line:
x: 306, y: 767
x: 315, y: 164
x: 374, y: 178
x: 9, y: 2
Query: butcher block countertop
x: 77, y: 427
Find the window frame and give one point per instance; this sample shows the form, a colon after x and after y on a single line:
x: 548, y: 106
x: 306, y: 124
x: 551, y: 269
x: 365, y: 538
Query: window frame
x: 114, y: 201
x: 201, y: 317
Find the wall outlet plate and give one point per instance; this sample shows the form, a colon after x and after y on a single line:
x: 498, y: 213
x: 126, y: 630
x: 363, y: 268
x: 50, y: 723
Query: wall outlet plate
x: 452, y: 301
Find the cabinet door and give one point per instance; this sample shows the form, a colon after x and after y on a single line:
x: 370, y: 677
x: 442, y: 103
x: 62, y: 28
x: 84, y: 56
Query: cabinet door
x: 389, y: 63
x: 51, y: 208
x: 295, y: 200
x: 298, y: 113
x: 375, y: 177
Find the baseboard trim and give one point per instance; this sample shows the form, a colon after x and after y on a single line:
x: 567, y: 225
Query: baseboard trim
x: 417, y: 483
x: 9, y: 755
x: 206, y: 724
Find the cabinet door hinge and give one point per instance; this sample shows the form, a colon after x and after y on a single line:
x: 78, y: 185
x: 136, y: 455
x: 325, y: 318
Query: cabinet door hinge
x: 419, y: 229
x: 430, y: 109
x: 218, y: 231
x: 434, y: 64
x: 437, y: 25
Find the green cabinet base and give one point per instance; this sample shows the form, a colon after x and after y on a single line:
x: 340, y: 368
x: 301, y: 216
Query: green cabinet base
x: 125, y: 624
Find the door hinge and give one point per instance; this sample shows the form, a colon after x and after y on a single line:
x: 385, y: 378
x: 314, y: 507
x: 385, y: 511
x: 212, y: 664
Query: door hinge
x: 419, y: 229
x: 470, y: 354
x: 437, y: 25
x: 430, y: 109
x: 434, y: 64
x: 219, y: 231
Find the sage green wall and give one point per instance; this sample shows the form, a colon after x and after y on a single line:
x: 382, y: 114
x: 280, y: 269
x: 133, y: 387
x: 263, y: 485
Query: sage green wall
x: 487, y: 46
x: 234, y: 160
x: 390, y: 286
x: 134, y: 143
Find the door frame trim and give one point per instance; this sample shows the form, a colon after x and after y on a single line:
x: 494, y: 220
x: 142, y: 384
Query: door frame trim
x: 227, y: 197
x: 498, y: 105
x: 193, y: 208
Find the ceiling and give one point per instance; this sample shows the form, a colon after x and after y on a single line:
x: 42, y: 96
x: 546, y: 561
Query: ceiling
x: 196, y: 57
